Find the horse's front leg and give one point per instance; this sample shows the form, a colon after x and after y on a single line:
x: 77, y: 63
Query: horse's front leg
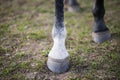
x: 100, y: 31
x: 58, y: 57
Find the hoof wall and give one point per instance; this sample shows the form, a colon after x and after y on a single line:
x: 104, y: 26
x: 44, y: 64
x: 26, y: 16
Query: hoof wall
x: 74, y: 8
x: 100, y: 37
x: 58, y: 65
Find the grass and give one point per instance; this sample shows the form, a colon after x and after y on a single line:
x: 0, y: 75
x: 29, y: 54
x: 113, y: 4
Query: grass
x: 25, y: 42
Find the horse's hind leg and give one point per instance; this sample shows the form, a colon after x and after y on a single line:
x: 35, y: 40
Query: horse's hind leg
x: 100, y: 31
x: 72, y: 5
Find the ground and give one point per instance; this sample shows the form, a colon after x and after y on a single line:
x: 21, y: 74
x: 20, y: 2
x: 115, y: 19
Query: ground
x: 25, y: 41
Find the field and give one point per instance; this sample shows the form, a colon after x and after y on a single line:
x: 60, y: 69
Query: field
x: 25, y: 41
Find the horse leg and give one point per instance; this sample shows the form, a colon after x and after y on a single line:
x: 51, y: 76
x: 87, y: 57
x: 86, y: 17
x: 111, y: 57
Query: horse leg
x: 58, y: 57
x: 65, y: 1
x: 73, y: 6
x: 100, y: 31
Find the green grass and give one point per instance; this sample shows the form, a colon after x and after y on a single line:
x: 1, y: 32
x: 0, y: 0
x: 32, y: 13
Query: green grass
x: 37, y: 35
x: 25, y: 41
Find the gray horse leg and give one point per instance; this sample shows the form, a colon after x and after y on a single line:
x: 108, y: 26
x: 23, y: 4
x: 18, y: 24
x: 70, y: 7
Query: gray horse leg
x: 58, y: 61
x: 73, y: 5
x: 100, y: 31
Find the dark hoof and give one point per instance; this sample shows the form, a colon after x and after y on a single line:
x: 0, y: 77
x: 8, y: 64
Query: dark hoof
x: 100, y: 37
x: 74, y: 8
x: 58, y: 65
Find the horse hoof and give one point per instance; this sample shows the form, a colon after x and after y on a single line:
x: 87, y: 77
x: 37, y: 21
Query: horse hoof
x: 100, y: 37
x: 74, y: 8
x: 58, y: 65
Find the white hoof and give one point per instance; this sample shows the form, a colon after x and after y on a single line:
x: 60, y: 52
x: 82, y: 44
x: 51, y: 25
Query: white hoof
x: 58, y: 61
x: 58, y: 65
x: 100, y: 37
x: 74, y: 8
